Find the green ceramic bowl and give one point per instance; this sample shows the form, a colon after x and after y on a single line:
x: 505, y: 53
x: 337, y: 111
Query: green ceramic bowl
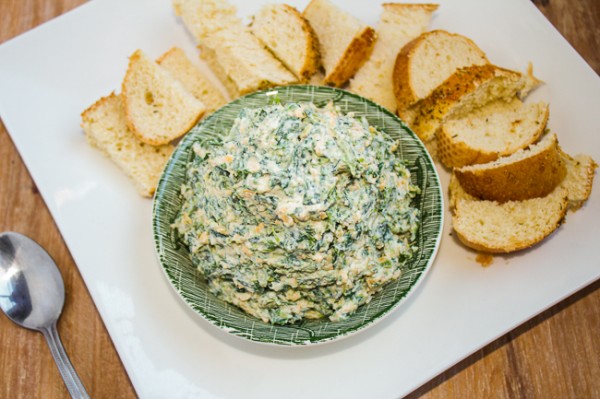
x: 192, y: 287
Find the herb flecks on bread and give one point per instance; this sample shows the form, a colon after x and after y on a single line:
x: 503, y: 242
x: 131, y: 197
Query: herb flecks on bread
x: 427, y: 61
x: 467, y: 89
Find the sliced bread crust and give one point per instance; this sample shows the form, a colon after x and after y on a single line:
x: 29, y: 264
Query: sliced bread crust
x: 242, y: 63
x: 506, y: 227
x: 399, y: 23
x: 428, y: 60
x: 529, y: 173
x: 456, y: 193
x: 497, y: 129
x: 237, y: 57
x: 181, y: 67
x: 467, y: 89
x: 578, y: 182
x: 105, y: 128
x: 284, y: 31
x: 345, y: 42
x: 158, y: 108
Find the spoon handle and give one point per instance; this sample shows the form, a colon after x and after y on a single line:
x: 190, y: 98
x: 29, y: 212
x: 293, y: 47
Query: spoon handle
x: 68, y: 373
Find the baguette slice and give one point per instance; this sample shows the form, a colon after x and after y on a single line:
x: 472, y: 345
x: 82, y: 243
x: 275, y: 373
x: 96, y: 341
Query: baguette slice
x: 345, y: 42
x: 158, y: 108
x: 529, y: 173
x: 242, y: 63
x: 427, y: 61
x: 235, y: 55
x: 580, y: 176
x: 506, y: 227
x: 284, y: 31
x: 467, y: 89
x: 106, y: 129
x: 578, y: 182
x: 181, y: 67
x: 497, y: 129
x: 205, y: 17
x: 398, y: 24
x: 456, y: 193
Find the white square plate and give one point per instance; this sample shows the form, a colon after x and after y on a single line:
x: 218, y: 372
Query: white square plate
x: 50, y: 75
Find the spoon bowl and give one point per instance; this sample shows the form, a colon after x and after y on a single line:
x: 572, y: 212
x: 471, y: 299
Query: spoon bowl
x: 32, y: 294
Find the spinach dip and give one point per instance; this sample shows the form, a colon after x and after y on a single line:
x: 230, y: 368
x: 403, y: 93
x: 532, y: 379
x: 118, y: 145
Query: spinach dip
x: 298, y: 212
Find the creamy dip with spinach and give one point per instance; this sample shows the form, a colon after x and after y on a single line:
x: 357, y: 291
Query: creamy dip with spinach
x: 298, y: 212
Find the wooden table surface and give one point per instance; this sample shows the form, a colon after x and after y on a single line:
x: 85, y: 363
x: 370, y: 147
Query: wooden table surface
x: 554, y: 355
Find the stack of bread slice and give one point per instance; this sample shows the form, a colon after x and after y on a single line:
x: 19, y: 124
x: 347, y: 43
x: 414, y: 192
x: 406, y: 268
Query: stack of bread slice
x: 471, y: 114
x: 505, y: 226
x: 345, y: 41
x: 239, y: 58
x: 511, y: 203
x: 511, y: 183
x: 162, y: 100
x: 399, y: 23
x: 159, y: 102
x: 322, y: 45
x: 426, y: 62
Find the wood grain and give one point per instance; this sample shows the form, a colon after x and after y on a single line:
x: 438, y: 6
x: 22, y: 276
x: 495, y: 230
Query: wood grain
x: 27, y: 369
x: 554, y: 355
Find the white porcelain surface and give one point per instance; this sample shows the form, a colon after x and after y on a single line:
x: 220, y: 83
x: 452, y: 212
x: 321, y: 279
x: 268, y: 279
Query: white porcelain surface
x: 50, y: 75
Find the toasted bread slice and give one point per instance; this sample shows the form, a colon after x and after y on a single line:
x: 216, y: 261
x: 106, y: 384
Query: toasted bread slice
x: 529, y: 173
x: 235, y: 55
x: 399, y: 23
x: 345, y: 42
x: 158, y: 108
x: 580, y: 176
x: 284, y: 31
x: 181, y: 67
x: 578, y: 181
x: 467, y: 89
x: 497, y: 129
x: 428, y: 60
x: 106, y: 129
x: 456, y: 193
x: 242, y: 63
x: 494, y: 227
x: 204, y: 17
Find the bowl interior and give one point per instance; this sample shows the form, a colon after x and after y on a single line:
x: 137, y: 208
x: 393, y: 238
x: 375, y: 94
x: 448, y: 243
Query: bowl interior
x: 192, y: 287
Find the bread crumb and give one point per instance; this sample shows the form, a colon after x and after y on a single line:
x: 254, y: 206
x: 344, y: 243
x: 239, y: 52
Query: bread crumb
x: 484, y: 259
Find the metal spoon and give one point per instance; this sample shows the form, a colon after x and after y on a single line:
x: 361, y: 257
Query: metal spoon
x: 32, y: 295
